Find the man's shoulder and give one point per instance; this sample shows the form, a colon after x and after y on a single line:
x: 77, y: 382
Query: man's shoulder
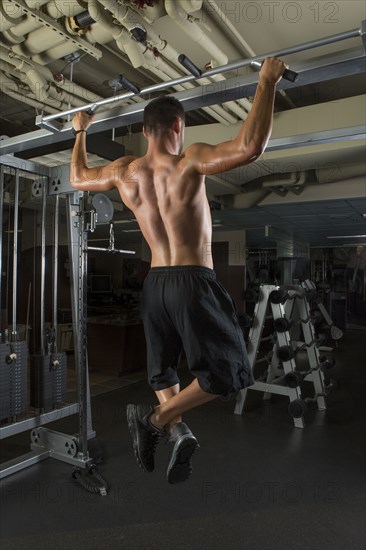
x: 127, y: 159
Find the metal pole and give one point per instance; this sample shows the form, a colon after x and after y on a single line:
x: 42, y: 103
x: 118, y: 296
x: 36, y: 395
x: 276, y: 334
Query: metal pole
x: 1, y: 236
x: 114, y: 250
x: 15, y: 254
x: 212, y: 72
x: 43, y: 266
x: 74, y: 208
x: 55, y: 268
x: 82, y: 322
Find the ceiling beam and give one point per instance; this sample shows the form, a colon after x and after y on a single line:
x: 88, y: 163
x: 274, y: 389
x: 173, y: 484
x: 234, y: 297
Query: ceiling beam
x: 97, y: 145
x: 327, y: 68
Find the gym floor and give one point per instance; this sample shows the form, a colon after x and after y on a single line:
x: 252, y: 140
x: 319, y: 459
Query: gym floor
x: 257, y: 482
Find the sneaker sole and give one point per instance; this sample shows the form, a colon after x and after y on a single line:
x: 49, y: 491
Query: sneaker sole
x: 132, y: 421
x: 180, y: 467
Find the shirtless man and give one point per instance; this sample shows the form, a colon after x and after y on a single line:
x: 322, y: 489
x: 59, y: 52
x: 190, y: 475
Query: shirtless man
x: 184, y: 305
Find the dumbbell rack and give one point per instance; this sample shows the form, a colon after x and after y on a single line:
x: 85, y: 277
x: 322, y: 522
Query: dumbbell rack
x: 274, y: 382
x: 297, y: 306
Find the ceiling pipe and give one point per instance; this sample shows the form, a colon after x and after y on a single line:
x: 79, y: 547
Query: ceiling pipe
x: 211, y: 7
x: 11, y: 88
x: 9, y: 69
x: 190, y: 27
x: 172, y: 55
x: 36, y: 4
x: 184, y: 20
x: 137, y: 52
x: 67, y: 8
x: 159, y: 67
x: 38, y: 77
x: 295, y: 182
x: 7, y: 20
x: 172, y: 74
x: 152, y: 13
x: 191, y: 6
x: 332, y: 172
x: 16, y: 34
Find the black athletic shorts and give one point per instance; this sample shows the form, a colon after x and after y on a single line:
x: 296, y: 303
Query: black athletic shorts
x: 186, y: 307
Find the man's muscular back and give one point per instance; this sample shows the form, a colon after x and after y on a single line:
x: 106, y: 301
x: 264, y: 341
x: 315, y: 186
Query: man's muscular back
x: 169, y: 202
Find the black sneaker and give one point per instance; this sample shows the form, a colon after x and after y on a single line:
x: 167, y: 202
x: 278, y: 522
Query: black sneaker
x: 145, y: 436
x: 183, y: 444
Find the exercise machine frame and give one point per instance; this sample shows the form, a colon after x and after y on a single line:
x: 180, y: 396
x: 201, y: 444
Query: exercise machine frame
x: 45, y: 442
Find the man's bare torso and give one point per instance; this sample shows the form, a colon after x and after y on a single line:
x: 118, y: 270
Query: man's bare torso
x: 168, y: 199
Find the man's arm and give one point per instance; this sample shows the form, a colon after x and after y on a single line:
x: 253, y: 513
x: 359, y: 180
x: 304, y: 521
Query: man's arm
x: 254, y: 133
x: 98, y: 178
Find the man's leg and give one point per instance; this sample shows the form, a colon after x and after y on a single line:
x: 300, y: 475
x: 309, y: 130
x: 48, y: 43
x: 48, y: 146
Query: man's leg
x: 192, y: 396
x: 165, y: 395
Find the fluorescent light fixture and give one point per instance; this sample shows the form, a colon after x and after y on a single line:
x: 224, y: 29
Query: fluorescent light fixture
x: 217, y: 225
x: 346, y: 237
x: 131, y: 230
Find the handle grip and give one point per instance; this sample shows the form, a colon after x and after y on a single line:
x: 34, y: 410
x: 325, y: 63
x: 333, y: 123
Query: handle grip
x: 91, y: 110
x: 129, y: 85
x: 292, y: 76
x: 189, y: 65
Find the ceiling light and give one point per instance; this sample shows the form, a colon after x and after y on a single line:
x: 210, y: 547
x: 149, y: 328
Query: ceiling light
x: 131, y: 230
x: 346, y: 237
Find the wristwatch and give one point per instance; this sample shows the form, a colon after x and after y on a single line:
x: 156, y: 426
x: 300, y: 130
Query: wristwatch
x: 75, y: 132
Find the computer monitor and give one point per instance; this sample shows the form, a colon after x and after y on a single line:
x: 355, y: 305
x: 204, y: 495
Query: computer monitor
x: 100, y: 284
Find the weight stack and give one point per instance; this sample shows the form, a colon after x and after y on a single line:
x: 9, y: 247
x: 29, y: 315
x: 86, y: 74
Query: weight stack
x: 59, y: 378
x: 19, y: 378
x: 13, y: 379
x: 48, y: 379
x: 4, y: 382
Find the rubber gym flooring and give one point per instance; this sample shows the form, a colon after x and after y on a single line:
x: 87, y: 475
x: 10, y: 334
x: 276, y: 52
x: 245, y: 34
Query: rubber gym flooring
x: 257, y: 483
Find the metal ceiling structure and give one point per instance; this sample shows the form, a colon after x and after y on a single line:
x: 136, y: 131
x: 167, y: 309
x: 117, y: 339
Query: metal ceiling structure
x: 325, y: 69
x: 338, y: 73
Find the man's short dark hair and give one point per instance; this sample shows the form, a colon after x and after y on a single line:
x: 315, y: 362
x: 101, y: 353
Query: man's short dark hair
x: 160, y: 113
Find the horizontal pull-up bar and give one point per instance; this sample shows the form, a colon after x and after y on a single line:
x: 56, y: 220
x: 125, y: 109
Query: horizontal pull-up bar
x: 241, y: 63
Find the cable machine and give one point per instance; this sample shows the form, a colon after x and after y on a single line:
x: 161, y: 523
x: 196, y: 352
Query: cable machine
x: 50, y: 369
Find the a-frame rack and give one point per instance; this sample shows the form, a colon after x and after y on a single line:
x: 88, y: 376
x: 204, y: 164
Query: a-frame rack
x: 284, y: 303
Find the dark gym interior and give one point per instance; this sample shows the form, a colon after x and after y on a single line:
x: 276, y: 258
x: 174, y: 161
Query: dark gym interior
x: 281, y: 465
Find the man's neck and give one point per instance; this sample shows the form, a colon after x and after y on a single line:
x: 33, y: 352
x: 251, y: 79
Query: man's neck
x: 162, y: 145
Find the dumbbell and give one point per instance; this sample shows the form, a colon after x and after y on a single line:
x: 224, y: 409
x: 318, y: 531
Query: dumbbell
x: 244, y: 320
x: 281, y: 296
x: 282, y: 324
x: 286, y: 353
x: 295, y: 378
x: 297, y: 408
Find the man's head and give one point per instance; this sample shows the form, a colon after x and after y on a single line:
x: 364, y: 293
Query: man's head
x: 162, y: 115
